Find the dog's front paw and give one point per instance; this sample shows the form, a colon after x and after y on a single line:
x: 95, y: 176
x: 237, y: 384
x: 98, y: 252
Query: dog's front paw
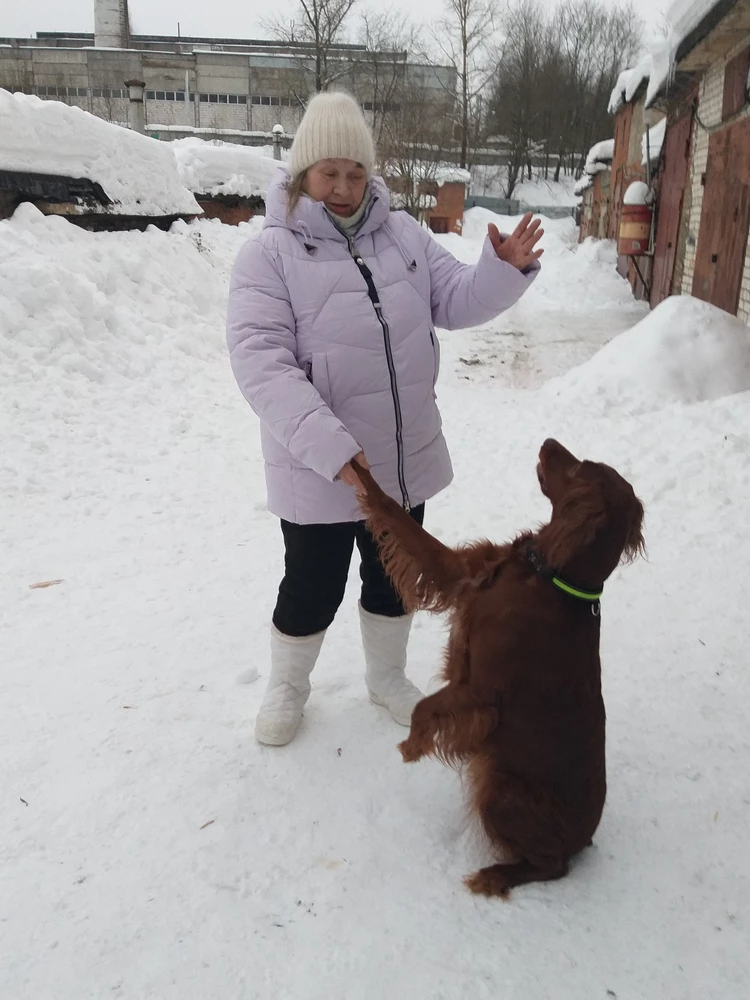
x: 410, y: 751
x: 489, y: 882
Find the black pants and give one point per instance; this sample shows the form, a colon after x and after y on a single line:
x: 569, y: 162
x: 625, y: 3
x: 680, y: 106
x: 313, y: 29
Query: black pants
x: 317, y: 561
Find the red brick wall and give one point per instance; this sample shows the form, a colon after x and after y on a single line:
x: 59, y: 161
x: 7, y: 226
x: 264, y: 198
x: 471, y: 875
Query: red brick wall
x: 450, y: 205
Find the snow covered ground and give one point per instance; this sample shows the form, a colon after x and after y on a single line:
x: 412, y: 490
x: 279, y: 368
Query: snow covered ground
x: 150, y: 849
x: 537, y: 192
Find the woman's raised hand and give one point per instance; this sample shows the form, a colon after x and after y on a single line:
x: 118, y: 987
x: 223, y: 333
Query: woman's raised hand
x: 518, y: 249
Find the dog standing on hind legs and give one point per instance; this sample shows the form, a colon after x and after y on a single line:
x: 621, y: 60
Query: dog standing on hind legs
x: 522, y: 704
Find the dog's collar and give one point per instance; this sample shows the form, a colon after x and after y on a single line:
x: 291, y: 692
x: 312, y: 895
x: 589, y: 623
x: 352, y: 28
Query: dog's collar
x: 540, y: 566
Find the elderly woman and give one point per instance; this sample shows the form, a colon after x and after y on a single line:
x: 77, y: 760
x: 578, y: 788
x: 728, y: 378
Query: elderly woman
x: 331, y: 333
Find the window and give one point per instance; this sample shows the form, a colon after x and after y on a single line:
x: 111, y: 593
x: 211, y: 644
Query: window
x: 161, y: 95
x: 242, y: 99
x: 213, y: 98
x: 179, y: 95
x: 97, y: 92
x: 367, y: 106
x: 83, y: 91
x: 223, y: 98
x: 41, y: 91
x: 275, y: 102
x: 254, y: 100
x: 169, y: 95
x: 232, y: 98
x: 204, y: 98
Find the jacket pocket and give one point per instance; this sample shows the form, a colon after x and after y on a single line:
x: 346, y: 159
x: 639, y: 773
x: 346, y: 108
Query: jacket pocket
x: 435, y: 357
x: 317, y: 372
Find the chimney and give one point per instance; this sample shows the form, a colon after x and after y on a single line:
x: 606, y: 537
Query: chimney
x: 111, y: 24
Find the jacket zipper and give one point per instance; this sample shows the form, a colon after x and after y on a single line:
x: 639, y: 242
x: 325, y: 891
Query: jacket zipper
x: 372, y: 293
x: 375, y: 299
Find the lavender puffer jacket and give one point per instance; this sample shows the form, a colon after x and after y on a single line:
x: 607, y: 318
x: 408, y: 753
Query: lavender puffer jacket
x: 334, y: 347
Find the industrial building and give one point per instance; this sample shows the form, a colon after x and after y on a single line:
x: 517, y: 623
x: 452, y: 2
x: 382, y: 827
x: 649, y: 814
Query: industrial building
x: 211, y: 86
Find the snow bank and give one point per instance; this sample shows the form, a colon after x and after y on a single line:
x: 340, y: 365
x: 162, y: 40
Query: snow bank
x: 600, y: 157
x: 684, y: 351
x: 227, y: 168
x: 138, y: 174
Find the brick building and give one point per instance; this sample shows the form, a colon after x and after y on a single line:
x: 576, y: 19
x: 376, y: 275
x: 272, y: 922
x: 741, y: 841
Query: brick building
x: 244, y: 86
x: 595, y: 189
x: 686, y: 133
x: 715, y: 215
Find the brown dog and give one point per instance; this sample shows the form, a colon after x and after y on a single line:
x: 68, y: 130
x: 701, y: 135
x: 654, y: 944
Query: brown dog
x: 522, y: 706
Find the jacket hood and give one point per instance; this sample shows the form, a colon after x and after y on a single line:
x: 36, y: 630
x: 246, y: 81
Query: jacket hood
x: 310, y: 218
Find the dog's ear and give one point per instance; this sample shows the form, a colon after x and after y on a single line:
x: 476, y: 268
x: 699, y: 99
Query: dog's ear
x: 576, y: 519
x: 634, y: 543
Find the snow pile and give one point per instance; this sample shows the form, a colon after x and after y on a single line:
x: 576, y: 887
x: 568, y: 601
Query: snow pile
x: 138, y: 174
x: 223, y: 168
x: 583, y: 184
x: 637, y: 193
x: 600, y: 157
x: 685, y: 351
x: 652, y: 142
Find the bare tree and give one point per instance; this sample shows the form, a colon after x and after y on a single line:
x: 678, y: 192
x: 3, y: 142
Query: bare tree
x: 319, y: 25
x: 415, y: 138
x: 463, y: 37
x: 390, y: 41
x: 555, y: 72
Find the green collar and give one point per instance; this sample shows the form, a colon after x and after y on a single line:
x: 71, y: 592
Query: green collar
x: 582, y: 595
x: 591, y: 596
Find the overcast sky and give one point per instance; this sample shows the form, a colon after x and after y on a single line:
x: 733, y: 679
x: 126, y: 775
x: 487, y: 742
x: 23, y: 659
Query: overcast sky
x: 217, y: 18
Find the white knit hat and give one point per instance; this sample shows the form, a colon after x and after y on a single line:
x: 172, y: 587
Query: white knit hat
x: 332, y: 127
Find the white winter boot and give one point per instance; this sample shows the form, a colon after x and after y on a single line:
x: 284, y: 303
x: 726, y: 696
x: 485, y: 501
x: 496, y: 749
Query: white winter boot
x: 292, y: 661
x: 384, y: 641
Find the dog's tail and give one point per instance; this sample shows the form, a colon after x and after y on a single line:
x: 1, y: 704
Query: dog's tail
x: 428, y: 575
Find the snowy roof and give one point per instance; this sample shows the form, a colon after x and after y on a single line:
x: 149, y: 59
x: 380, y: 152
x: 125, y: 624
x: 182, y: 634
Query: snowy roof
x: 655, y: 134
x: 658, y: 64
x: 600, y: 156
x: 682, y: 18
x: 448, y: 174
x: 629, y: 83
x: 138, y: 174
x: 425, y: 170
x: 227, y: 168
